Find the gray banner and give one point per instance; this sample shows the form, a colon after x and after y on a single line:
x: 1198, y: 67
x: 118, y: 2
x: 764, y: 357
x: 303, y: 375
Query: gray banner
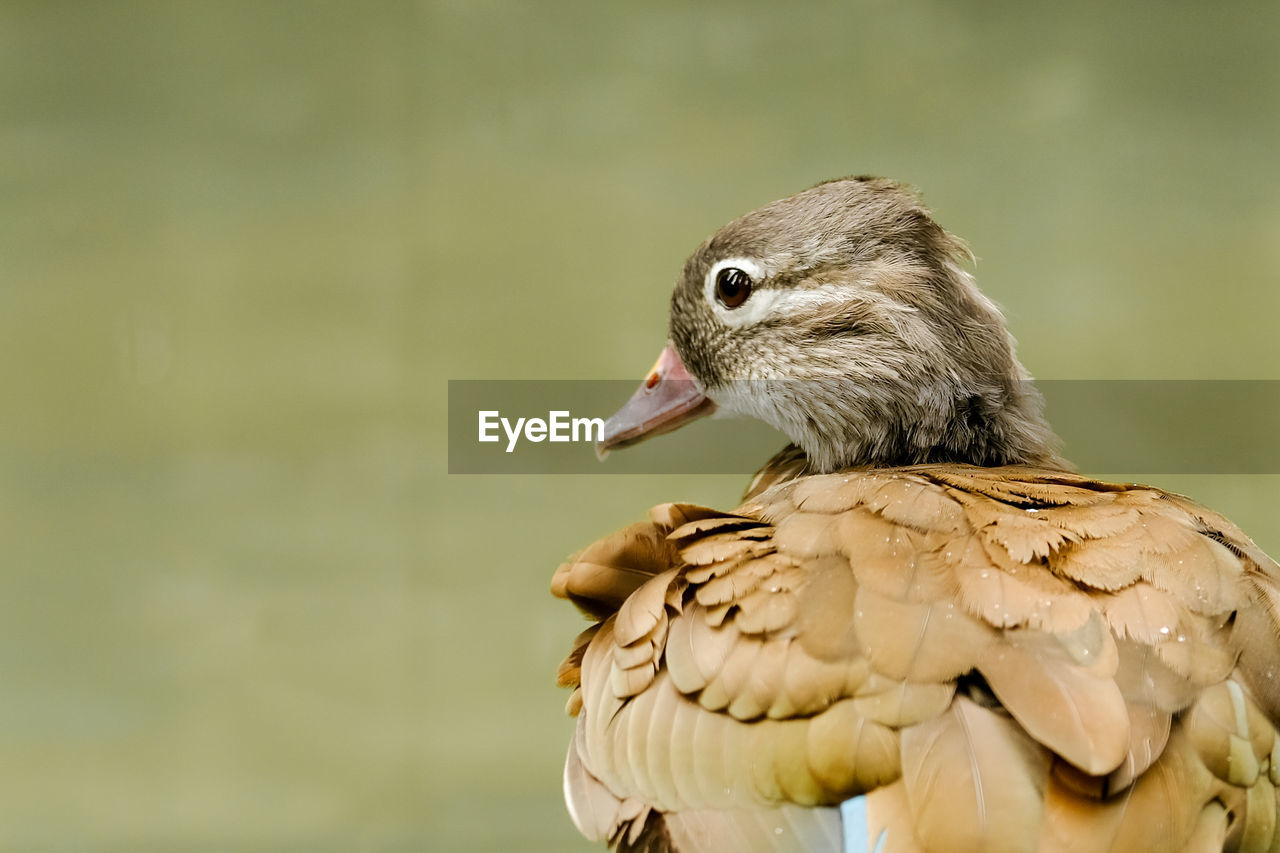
x: 1121, y: 426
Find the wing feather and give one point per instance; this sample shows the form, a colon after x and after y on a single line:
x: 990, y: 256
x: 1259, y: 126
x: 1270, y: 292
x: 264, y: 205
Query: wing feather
x: 1001, y: 659
x: 974, y: 780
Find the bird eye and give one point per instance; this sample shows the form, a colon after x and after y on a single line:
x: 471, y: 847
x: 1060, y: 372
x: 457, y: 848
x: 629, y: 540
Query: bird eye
x: 733, y: 286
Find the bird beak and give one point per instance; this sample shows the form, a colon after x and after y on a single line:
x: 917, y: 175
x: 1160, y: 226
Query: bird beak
x: 668, y: 398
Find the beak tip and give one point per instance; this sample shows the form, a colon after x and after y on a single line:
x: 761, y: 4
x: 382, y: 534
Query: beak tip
x: 666, y: 399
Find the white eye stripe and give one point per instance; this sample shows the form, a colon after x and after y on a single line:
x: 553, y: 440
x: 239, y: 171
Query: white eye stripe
x: 765, y: 302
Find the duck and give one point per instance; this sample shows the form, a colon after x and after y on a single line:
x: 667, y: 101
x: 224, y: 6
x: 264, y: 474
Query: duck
x: 920, y: 630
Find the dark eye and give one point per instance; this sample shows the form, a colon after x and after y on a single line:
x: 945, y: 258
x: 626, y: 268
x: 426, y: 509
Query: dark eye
x: 733, y: 286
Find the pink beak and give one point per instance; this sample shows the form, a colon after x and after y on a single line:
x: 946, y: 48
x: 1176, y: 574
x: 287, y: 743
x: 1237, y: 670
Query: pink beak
x: 668, y: 398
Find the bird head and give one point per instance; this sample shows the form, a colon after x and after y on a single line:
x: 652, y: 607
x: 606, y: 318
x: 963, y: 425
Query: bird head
x: 843, y: 317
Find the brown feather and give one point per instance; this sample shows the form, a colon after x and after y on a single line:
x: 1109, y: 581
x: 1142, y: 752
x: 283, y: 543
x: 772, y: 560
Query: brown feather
x: 1257, y: 632
x: 901, y: 703
x: 593, y: 808
x: 810, y: 684
x: 806, y: 535
x: 670, y: 516
x: 1149, y: 729
x: 849, y: 753
x: 712, y: 524
x: 1232, y: 736
x: 1104, y: 564
x: 786, y: 829
x: 1005, y: 594
x: 602, y: 576
x: 1200, y: 651
x: 1077, y: 712
x: 889, y: 815
x: 1027, y: 537
x: 830, y: 494
x: 919, y: 642
x: 913, y: 503
x: 1140, y: 612
x: 974, y: 781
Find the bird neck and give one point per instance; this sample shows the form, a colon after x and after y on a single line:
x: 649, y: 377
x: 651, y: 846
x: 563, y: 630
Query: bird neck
x: 974, y: 424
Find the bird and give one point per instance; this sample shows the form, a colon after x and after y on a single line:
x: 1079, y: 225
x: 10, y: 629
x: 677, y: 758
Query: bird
x: 920, y: 630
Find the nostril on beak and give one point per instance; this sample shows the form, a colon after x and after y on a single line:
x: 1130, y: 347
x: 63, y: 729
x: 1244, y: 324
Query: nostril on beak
x: 652, y: 380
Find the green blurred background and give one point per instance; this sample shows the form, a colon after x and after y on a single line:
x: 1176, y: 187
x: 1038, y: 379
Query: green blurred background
x: 243, y: 245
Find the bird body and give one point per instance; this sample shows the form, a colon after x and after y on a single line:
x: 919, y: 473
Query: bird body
x: 916, y: 604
